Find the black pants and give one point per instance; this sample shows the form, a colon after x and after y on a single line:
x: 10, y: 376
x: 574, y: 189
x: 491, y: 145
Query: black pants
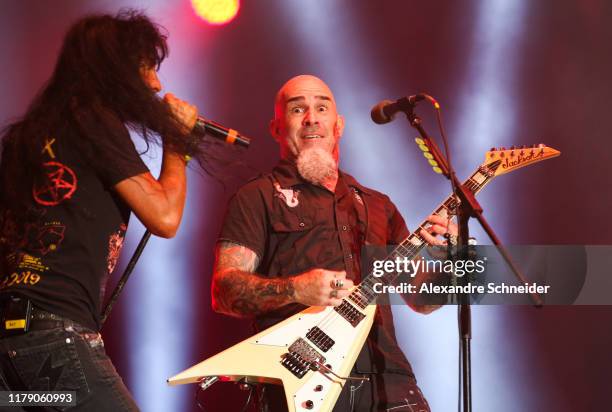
x: 68, y: 358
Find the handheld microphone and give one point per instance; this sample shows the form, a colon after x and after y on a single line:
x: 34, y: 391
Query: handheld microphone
x: 385, y: 111
x: 208, y: 127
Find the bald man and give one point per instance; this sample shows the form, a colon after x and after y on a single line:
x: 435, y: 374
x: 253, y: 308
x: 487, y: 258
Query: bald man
x: 292, y: 238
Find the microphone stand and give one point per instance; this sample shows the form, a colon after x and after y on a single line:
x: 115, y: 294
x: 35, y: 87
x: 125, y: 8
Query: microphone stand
x: 468, y: 207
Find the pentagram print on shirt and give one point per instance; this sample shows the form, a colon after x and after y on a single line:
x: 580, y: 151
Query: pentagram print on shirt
x: 60, y: 184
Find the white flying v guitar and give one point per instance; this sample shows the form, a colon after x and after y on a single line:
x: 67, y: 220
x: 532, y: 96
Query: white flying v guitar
x: 312, y: 352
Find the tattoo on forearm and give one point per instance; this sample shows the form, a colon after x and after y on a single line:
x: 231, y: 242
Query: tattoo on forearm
x: 238, y: 291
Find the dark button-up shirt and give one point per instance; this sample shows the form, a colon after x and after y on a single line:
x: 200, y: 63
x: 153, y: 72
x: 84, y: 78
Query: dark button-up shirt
x: 294, y: 226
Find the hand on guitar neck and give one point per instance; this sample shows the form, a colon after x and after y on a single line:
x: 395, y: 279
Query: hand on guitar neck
x: 433, y: 234
x: 439, y: 226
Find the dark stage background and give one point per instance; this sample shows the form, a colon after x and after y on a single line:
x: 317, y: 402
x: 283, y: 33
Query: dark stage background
x: 507, y: 72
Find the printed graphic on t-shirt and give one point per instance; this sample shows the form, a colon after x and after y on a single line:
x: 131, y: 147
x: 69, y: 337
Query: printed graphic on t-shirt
x: 289, y: 196
x: 115, y: 243
x: 28, y: 270
x: 31, y: 232
x: 48, y: 148
x: 26, y: 278
x: 60, y: 184
x: 50, y: 236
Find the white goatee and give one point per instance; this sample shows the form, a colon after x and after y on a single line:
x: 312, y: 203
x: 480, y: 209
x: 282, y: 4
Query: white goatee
x: 316, y: 165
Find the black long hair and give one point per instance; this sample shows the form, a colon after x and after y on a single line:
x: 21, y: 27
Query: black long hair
x: 96, y: 84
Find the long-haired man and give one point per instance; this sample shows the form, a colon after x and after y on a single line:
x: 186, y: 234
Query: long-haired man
x: 70, y: 177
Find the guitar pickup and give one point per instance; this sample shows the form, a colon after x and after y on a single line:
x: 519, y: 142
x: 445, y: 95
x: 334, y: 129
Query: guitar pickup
x: 348, y: 312
x: 320, y: 339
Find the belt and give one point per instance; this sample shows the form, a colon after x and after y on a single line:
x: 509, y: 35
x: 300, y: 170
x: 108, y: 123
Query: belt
x: 41, y: 320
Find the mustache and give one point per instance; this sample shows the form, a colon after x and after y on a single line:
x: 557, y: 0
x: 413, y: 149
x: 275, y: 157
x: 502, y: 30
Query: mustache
x: 311, y: 130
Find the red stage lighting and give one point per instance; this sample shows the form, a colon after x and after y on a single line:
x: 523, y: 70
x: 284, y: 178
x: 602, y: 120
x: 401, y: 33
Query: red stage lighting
x: 216, y: 12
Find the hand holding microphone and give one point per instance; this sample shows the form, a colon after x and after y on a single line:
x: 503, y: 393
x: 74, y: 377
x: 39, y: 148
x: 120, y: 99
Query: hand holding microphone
x: 187, y: 115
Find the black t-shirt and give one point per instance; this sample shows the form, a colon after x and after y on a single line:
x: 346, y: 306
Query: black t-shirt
x: 60, y: 250
x: 294, y: 226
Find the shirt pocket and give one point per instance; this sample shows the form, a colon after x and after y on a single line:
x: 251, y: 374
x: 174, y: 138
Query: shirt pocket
x: 291, y: 242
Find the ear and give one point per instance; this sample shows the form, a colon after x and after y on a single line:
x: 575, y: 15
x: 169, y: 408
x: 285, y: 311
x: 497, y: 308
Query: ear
x: 340, y: 125
x: 274, y: 129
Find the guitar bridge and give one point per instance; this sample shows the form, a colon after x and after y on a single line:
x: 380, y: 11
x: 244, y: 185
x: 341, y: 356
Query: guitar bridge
x: 301, y: 358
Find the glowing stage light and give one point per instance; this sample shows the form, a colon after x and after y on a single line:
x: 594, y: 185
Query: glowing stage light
x: 216, y: 12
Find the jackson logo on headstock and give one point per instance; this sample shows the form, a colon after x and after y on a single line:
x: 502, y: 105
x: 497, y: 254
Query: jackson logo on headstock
x: 514, y: 161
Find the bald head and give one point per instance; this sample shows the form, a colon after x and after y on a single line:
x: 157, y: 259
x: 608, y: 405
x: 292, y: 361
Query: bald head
x: 299, y: 86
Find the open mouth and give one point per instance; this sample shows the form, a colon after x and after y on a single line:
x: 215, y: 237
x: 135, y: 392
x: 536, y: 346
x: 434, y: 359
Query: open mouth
x: 312, y: 136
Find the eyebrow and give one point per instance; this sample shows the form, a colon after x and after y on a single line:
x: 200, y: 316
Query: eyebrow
x: 300, y: 98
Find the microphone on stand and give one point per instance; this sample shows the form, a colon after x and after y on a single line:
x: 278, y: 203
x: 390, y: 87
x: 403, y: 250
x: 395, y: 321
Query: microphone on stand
x: 209, y: 128
x: 385, y: 111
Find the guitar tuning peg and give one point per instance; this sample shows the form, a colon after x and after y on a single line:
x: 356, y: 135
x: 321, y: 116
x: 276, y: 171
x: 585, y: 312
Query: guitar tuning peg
x: 534, y: 146
x: 512, y: 147
x: 523, y: 147
x: 541, y: 146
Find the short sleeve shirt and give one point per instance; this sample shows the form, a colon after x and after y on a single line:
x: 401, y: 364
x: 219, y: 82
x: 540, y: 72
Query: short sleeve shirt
x: 294, y: 226
x: 60, y: 251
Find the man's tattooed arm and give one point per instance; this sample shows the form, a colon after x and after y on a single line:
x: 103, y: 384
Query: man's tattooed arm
x: 238, y: 291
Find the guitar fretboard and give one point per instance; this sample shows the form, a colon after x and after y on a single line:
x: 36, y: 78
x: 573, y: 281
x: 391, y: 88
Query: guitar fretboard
x: 410, y: 247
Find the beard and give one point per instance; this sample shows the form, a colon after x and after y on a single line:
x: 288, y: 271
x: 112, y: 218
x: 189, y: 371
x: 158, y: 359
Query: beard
x: 316, y: 165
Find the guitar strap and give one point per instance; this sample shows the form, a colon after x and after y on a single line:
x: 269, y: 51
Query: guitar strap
x: 377, y: 227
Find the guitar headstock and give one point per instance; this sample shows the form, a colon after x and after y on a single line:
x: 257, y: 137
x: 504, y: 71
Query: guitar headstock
x: 501, y: 160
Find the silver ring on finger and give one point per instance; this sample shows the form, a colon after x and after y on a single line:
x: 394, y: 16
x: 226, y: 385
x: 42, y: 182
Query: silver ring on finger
x: 337, y: 283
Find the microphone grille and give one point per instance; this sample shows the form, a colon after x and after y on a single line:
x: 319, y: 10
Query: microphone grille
x: 378, y: 114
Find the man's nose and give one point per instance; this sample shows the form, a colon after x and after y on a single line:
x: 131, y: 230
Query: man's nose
x: 310, y: 117
x: 156, y: 84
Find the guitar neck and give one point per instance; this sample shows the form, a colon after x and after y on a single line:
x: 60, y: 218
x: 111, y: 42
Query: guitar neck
x: 410, y: 247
